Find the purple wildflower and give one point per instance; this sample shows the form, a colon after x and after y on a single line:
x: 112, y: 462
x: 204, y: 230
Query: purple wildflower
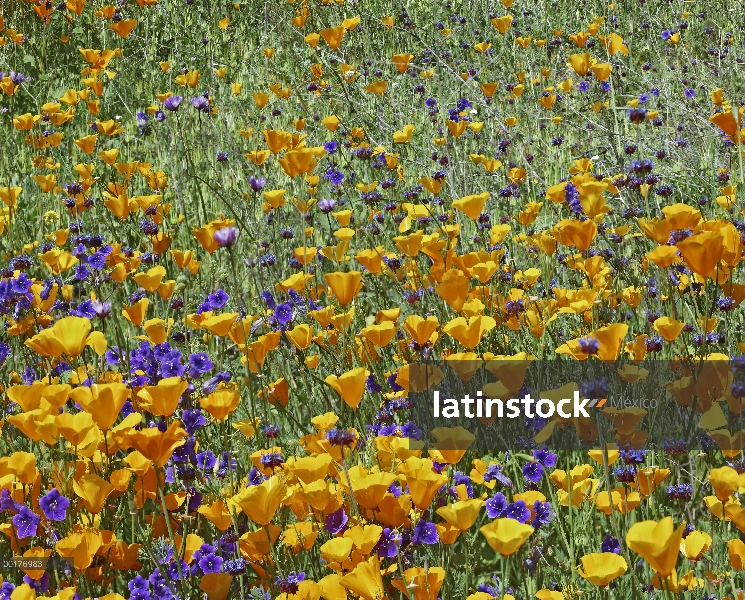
x: 54, y: 505
x: 533, y: 471
x: 257, y: 184
x: 496, y: 506
x: 611, y: 544
x: 336, y: 522
x: 226, y: 236
x: 424, y: 533
x: 26, y: 522
x: 172, y: 103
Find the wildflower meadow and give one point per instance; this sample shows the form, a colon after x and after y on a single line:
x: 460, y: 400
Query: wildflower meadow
x: 258, y: 259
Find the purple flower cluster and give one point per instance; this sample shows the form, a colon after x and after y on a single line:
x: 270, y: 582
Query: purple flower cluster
x: 214, y: 301
x: 494, y: 473
x: 291, y: 583
x: 15, y: 295
x: 54, y: 505
x: 498, y: 507
x: 680, y: 491
x: 336, y: 522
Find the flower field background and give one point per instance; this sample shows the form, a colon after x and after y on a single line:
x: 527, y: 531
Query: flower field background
x: 232, y: 233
